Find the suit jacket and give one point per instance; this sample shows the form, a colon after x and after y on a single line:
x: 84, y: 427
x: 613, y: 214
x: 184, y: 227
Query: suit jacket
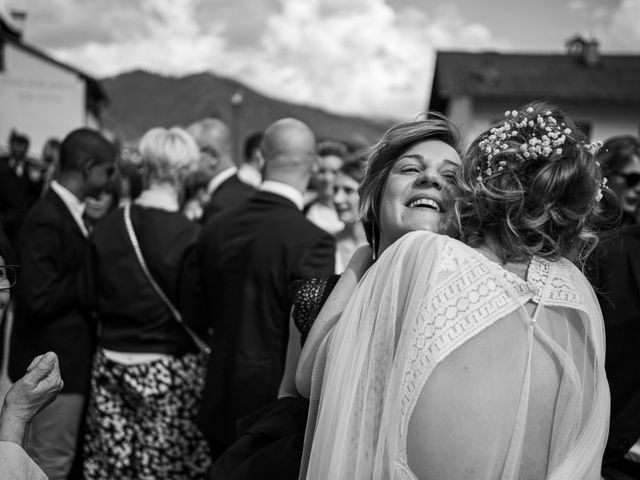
x: 17, y: 196
x: 617, y: 283
x: 249, y: 256
x: 229, y: 194
x: 48, y: 315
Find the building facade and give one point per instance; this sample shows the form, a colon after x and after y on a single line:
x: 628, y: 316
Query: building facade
x: 602, y: 92
x: 40, y: 96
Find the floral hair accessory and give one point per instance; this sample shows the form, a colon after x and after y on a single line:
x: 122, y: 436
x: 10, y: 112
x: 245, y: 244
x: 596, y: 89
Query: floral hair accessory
x: 525, y: 136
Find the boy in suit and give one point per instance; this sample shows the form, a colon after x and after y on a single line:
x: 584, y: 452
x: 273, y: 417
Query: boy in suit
x: 48, y: 315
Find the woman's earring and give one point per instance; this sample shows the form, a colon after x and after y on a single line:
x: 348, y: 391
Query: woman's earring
x: 373, y: 242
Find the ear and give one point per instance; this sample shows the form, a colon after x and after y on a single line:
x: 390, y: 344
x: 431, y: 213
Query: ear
x: 87, y: 165
x: 259, y: 160
x: 209, y: 160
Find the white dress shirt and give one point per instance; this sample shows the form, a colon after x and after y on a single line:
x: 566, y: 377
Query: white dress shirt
x: 73, y: 204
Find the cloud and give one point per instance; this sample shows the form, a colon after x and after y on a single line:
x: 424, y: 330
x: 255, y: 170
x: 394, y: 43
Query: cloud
x: 623, y: 30
x: 350, y: 56
x: 356, y: 56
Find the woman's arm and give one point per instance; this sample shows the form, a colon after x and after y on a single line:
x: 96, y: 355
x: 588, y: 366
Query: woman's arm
x: 288, y: 383
x: 329, y: 315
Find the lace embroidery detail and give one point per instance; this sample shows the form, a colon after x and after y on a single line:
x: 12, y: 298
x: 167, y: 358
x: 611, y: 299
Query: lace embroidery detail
x: 468, y: 298
x: 471, y: 294
x: 537, y: 277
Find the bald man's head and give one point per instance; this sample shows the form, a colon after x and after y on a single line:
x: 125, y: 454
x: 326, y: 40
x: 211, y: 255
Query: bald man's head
x: 289, y: 151
x: 213, y: 134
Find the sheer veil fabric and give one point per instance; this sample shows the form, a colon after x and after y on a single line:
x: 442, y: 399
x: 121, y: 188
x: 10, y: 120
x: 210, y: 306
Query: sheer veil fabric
x: 506, y: 375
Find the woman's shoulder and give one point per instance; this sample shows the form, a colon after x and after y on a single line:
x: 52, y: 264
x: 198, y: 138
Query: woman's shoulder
x: 451, y: 253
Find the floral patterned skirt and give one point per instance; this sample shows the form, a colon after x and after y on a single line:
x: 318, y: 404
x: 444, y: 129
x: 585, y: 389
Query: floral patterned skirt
x: 140, y: 420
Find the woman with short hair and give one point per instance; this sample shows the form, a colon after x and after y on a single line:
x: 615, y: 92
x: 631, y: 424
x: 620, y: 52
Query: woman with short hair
x: 148, y: 373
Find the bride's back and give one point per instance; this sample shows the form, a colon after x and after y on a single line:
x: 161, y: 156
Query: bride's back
x: 467, y: 413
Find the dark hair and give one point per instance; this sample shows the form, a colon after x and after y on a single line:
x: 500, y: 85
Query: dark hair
x: 251, y: 144
x: 336, y: 149
x: 194, y: 182
x: 545, y: 205
x: 17, y: 137
x: 83, y: 146
x: 354, y: 169
x: 617, y: 152
x: 131, y: 172
x: 383, y: 156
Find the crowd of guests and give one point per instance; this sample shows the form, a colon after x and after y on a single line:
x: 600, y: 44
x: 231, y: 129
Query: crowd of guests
x: 412, y: 310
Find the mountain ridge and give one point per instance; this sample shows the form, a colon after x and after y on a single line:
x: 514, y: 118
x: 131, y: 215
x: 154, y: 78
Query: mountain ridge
x: 140, y: 100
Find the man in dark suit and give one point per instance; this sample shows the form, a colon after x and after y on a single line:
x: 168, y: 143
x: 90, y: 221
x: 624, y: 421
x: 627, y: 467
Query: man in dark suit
x: 225, y: 188
x: 617, y: 283
x: 248, y: 258
x: 48, y: 316
x: 20, y: 186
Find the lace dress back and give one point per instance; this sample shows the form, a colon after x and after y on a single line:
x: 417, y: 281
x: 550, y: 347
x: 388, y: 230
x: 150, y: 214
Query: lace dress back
x: 505, y: 376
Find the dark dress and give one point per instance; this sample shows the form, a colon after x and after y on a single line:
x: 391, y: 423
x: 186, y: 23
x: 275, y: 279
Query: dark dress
x: 270, y: 441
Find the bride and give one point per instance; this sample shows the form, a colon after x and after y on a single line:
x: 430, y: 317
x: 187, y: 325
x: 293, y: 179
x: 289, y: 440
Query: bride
x: 482, y: 359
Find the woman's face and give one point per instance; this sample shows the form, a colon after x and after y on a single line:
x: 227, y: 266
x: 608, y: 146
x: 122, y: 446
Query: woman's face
x: 626, y: 184
x: 5, y: 295
x: 418, y: 193
x: 346, y: 198
x: 325, y: 175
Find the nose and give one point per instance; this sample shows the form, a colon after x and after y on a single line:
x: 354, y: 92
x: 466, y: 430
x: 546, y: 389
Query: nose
x: 429, y: 178
x: 338, y: 196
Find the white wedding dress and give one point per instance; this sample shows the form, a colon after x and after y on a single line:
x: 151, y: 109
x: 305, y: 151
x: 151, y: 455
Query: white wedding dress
x: 507, y: 375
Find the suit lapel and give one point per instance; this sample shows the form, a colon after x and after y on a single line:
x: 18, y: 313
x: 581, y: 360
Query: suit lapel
x: 59, y: 205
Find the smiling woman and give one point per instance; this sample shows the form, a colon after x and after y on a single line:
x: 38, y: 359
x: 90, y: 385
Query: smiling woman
x: 409, y: 183
x: 419, y: 192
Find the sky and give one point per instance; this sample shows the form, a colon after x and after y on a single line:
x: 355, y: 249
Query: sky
x: 366, y: 57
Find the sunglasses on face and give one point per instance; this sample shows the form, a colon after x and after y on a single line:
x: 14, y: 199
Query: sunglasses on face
x: 8, y: 276
x: 630, y: 179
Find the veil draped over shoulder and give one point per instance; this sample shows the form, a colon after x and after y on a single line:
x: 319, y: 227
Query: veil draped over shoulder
x: 507, y: 375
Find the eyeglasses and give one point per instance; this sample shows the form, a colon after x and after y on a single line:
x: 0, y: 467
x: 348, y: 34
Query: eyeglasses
x: 631, y: 179
x: 8, y: 276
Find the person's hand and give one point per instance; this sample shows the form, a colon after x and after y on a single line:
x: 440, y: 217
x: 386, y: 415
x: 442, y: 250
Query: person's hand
x: 35, y: 390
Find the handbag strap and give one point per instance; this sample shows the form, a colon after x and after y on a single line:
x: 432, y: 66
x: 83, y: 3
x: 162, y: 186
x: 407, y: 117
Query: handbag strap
x: 174, y: 311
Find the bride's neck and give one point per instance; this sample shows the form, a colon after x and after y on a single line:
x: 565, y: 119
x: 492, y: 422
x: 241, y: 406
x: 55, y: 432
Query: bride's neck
x: 493, y: 250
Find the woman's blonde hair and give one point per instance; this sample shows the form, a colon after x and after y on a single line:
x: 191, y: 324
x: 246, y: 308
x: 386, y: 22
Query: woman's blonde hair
x: 168, y: 154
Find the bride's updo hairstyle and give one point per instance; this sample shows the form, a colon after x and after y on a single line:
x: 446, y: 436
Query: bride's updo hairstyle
x: 531, y: 185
